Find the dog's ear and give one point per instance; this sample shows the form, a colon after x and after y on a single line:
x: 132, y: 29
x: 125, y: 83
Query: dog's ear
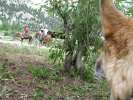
x: 112, y: 19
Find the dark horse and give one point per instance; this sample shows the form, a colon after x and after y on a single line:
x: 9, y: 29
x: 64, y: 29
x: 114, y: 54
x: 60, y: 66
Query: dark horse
x: 25, y: 37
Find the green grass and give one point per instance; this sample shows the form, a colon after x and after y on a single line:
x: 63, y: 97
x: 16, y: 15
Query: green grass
x: 43, y: 72
x: 70, y: 91
x: 38, y: 94
x: 39, y: 72
x: 50, y: 83
x: 24, y: 50
x: 60, y: 86
x: 4, y: 73
x: 4, y: 76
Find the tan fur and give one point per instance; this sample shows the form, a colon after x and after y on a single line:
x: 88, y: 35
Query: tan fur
x: 118, y: 52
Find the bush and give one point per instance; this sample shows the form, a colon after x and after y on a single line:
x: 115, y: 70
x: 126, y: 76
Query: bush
x: 57, y: 54
x: 44, y: 73
x: 39, y: 72
x: 9, y: 29
x: 89, y: 71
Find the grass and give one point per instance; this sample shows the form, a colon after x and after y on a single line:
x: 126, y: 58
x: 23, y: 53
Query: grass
x: 38, y: 94
x: 42, y: 82
x: 39, y: 72
x: 53, y: 86
x: 5, y: 75
x: 69, y: 89
x: 24, y: 50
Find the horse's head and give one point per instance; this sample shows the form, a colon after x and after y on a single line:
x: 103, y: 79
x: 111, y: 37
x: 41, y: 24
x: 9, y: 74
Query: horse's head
x: 51, y: 33
x: 37, y: 33
x: 18, y: 34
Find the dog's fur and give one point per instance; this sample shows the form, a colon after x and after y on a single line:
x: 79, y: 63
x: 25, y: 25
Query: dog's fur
x: 117, y: 59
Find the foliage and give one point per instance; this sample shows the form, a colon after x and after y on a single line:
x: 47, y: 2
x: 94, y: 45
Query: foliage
x: 125, y: 6
x: 10, y: 29
x: 56, y: 54
x: 4, y: 74
x: 15, y: 14
x: 81, y: 34
x: 41, y: 72
x: 44, y: 72
x: 97, y: 88
x: 89, y: 73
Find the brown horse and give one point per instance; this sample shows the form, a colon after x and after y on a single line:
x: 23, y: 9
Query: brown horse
x: 25, y: 37
x: 44, y: 39
x: 48, y: 37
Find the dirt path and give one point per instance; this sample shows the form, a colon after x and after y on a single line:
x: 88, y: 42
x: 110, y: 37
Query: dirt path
x: 17, y: 43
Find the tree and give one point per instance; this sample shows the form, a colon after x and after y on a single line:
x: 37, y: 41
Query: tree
x: 81, y: 24
x: 126, y: 6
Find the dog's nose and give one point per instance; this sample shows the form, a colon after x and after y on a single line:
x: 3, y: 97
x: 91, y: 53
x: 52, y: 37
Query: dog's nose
x: 99, y: 71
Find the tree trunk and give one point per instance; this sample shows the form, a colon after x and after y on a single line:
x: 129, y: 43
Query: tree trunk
x: 68, y: 62
x: 74, y: 61
x: 79, y: 62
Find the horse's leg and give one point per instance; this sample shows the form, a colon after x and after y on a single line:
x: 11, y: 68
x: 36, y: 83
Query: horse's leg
x: 43, y: 42
x: 21, y: 40
x: 30, y: 39
x: 40, y: 42
x: 48, y: 42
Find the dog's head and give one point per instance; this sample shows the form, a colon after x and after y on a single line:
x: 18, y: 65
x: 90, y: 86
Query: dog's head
x: 116, y: 62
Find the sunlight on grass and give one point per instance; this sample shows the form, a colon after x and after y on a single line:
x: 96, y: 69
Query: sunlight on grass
x: 24, y: 50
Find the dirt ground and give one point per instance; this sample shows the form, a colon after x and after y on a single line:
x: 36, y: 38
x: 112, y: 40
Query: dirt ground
x: 21, y: 85
x: 18, y: 83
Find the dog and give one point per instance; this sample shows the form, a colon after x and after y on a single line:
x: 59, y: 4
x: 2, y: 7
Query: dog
x: 117, y: 57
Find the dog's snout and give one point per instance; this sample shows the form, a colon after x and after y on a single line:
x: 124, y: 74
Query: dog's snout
x: 99, y: 71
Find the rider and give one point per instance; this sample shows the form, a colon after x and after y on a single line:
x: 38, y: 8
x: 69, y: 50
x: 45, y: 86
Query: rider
x: 45, y: 30
x: 26, y: 31
x: 42, y: 34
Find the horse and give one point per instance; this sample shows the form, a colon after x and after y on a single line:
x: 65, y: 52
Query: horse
x: 44, y: 39
x: 48, y: 37
x: 25, y: 37
x: 38, y: 36
x: 51, y: 33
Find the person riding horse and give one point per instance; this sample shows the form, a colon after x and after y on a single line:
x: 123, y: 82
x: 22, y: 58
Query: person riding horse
x: 26, y: 34
x: 41, y: 35
x: 44, y: 36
